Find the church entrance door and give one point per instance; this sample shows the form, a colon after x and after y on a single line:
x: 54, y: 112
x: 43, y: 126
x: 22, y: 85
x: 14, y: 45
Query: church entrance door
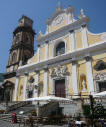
x: 102, y: 86
x: 60, y: 88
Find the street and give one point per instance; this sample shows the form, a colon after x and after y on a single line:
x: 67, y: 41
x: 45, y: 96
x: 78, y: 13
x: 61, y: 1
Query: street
x: 7, y: 124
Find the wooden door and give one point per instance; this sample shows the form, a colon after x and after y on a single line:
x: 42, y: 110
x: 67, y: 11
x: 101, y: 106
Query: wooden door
x: 60, y: 88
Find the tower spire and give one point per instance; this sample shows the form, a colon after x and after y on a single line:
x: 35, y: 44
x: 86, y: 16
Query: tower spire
x: 59, y: 4
x: 59, y: 7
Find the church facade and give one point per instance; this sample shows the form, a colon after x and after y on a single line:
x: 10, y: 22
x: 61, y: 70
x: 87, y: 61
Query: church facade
x: 70, y: 60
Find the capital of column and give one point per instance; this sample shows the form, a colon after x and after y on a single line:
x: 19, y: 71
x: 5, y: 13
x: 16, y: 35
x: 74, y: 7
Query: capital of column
x: 84, y: 25
x: 17, y: 75
x: 88, y: 58
x: 46, y: 42
x: 45, y: 68
x: 26, y: 73
x: 74, y: 62
x: 36, y: 71
x: 38, y: 45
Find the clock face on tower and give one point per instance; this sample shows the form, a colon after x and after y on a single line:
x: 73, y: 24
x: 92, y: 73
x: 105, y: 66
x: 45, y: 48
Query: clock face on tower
x: 58, y: 20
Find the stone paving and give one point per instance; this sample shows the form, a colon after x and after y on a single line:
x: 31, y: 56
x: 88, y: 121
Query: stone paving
x: 7, y: 124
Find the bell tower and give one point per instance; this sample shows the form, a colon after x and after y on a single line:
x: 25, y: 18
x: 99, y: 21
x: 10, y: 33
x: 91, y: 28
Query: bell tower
x: 23, y: 44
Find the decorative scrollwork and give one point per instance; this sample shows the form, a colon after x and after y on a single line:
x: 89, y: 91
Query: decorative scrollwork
x: 101, y: 76
x: 59, y: 71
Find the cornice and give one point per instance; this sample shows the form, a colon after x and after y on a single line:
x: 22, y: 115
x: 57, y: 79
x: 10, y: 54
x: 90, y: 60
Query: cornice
x: 64, y: 30
x: 65, y: 58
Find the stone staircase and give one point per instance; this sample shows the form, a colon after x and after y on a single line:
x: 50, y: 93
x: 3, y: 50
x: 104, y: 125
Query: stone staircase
x: 17, y: 107
x: 46, y: 109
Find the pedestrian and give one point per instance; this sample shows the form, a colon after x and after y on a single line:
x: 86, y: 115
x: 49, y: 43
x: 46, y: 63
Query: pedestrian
x: 31, y: 121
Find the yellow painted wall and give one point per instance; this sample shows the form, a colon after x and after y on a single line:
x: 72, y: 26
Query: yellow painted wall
x: 20, y: 88
x: 33, y: 59
x: 78, y: 36
x: 51, y: 50
x: 42, y: 53
x: 92, y: 39
x: 67, y: 43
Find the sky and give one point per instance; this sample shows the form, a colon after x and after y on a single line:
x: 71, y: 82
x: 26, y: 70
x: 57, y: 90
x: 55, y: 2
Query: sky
x: 39, y: 11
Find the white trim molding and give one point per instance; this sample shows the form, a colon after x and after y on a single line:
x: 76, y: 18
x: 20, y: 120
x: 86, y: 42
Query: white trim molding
x: 16, y: 88
x: 45, y: 86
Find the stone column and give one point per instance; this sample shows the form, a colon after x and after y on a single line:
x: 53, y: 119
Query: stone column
x: 45, y: 87
x: 84, y: 36
x: 89, y: 75
x: 38, y: 54
x: 25, y: 85
x: 75, y: 78
x: 16, y: 87
x: 36, y: 83
x: 46, y: 50
x: 72, y: 41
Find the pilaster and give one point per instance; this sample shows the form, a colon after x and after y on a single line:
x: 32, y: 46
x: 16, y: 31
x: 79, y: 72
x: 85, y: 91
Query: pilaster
x: 38, y: 54
x: 46, y: 50
x: 84, y: 36
x: 45, y: 88
x: 25, y: 83
x: 89, y: 75
x: 72, y: 41
x: 75, y: 78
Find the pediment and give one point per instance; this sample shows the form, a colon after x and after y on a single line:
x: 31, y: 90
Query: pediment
x: 59, y: 13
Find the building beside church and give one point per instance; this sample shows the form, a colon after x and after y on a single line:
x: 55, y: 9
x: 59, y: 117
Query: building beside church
x: 21, y: 50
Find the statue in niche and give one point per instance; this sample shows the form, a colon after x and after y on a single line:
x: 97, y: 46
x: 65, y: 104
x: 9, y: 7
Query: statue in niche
x: 83, y: 82
x: 83, y: 85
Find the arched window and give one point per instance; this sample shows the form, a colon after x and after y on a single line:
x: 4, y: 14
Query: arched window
x: 14, y: 57
x: 60, y: 48
x: 100, y: 65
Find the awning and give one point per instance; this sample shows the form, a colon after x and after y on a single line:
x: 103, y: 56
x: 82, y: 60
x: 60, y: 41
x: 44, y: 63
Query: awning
x: 101, y: 94
x: 49, y: 98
